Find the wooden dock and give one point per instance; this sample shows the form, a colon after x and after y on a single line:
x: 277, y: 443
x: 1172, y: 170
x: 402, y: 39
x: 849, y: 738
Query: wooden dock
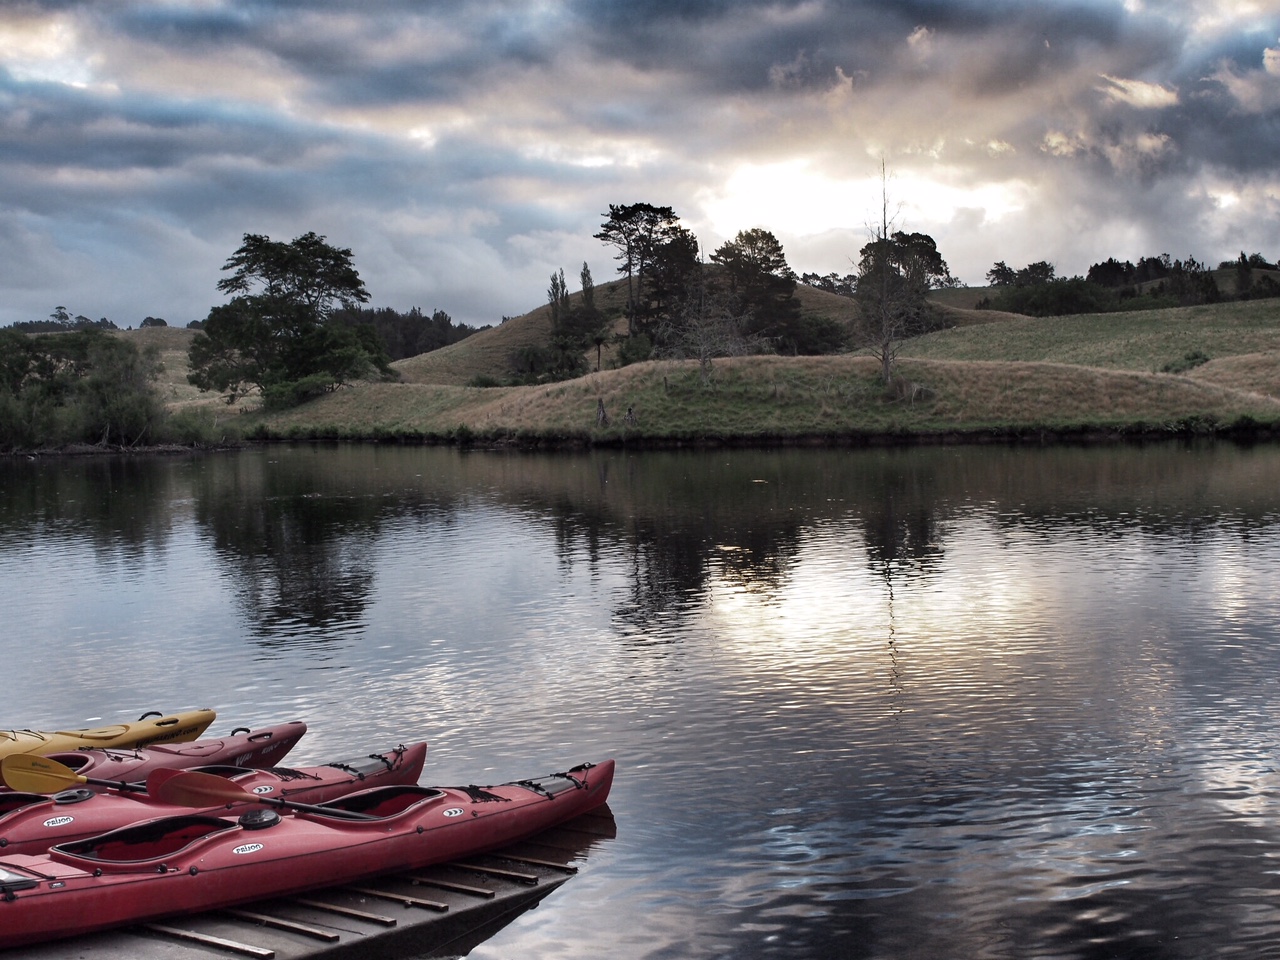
x: 446, y: 909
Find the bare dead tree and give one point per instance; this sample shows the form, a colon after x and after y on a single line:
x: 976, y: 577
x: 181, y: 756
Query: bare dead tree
x: 891, y: 290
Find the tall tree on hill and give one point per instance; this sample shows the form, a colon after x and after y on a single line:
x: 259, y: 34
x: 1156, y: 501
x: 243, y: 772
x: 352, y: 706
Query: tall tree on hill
x: 637, y: 231
x: 588, y: 287
x: 597, y: 326
x: 558, y: 297
x: 676, y: 267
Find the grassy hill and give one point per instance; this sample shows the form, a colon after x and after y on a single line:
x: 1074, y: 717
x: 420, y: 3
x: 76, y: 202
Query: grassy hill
x: 1240, y: 339
x: 991, y: 374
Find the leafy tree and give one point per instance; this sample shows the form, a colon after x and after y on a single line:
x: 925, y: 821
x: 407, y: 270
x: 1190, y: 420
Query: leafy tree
x: 569, y: 334
x: 1042, y: 271
x: 1056, y: 298
x: 762, y: 289
x: 61, y: 320
x: 1192, y: 282
x: 595, y: 325
x: 677, y: 264
x: 278, y: 334
x: 1244, y: 276
x: 1001, y: 275
x: 588, y: 287
x: 754, y: 256
x: 1111, y: 273
x: 1152, y: 268
x: 575, y: 328
x: 80, y: 386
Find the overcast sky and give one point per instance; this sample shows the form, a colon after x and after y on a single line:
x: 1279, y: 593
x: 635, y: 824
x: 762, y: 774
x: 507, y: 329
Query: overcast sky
x: 466, y: 149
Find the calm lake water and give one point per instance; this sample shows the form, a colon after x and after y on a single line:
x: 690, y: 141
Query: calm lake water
x: 937, y: 703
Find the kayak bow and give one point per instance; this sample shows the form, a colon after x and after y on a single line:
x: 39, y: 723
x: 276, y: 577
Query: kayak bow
x: 174, y: 728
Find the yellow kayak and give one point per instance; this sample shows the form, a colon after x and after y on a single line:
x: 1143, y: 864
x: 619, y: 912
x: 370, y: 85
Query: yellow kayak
x: 148, y: 729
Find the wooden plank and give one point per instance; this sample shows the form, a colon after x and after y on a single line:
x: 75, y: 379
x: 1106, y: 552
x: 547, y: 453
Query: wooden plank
x: 535, y: 862
x: 280, y: 923
x: 485, y: 892
x: 346, y: 912
x: 530, y: 878
x: 400, y: 898
x: 206, y: 940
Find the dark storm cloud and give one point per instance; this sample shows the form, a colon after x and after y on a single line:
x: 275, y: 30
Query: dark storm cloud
x: 733, y: 45
x: 453, y: 143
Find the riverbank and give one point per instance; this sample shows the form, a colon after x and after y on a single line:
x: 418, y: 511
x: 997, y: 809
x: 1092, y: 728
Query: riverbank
x: 787, y: 401
x: 758, y: 401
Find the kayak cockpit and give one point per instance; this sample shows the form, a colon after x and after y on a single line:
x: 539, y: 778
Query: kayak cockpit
x: 140, y: 844
x: 11, y: 881
x: 382, y: 802
x: 16, y: 801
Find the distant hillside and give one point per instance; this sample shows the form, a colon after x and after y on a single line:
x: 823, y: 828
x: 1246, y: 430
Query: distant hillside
x: 173, y: 344
x: 960, y: 298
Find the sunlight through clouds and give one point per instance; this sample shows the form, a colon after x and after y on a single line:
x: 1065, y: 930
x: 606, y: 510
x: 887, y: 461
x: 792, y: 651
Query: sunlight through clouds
x: 790, y: 197
x: 48, y: 51
x: 1136, y: 93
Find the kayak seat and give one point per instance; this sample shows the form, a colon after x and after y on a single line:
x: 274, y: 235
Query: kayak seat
x: 141, y: 842
x: 222, y: 770
x: 385, y: 801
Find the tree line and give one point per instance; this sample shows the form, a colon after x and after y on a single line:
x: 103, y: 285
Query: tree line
x: 1111, y: 285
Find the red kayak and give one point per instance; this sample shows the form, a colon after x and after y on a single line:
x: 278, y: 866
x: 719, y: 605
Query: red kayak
x: 255, y: 749
x: 32, y: 823
x: 185, y: 864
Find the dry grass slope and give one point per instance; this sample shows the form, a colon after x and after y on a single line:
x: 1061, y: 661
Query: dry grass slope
x: 488, y: 353
x: 766, y: 398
